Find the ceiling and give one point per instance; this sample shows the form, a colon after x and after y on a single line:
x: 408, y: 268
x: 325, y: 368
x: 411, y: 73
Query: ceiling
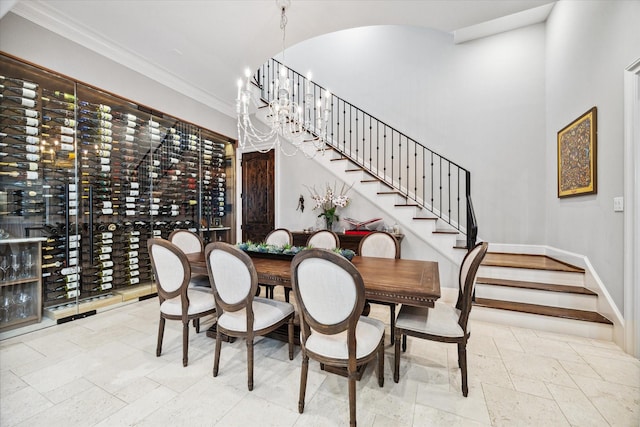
x: 201, y: 47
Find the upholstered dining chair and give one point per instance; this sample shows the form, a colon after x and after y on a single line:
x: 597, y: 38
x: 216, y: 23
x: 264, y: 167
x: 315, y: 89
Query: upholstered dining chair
x: 443, y: 322
x: 324, y: 239
x: 190, y: 243
x: 234, y: 281
x: 330, y: 295
x: 381, y: 244
x: 278, y: 237
x: 178, y: 301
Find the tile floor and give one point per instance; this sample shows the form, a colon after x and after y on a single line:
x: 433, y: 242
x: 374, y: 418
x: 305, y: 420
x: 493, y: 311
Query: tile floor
x: 103, y: 371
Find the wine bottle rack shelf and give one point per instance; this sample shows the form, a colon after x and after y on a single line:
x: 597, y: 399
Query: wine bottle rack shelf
x: 96, y: 175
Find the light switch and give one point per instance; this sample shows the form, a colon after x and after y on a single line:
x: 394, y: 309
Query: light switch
x: 618, y: 204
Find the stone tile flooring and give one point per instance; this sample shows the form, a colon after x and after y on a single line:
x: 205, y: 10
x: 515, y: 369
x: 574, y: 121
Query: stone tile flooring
x: 103, y: 371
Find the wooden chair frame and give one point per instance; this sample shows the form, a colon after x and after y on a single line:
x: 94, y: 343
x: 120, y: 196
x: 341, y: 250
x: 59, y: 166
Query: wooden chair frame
x: 245, y: 303
x: 268, y: 289
x: 465, y: 292
x: 391, y: 305
x: 164, y: 295
x: 307, y: 321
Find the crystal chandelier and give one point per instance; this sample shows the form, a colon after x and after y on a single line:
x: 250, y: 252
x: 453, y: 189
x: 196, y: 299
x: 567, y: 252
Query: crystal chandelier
x: 296, y: 115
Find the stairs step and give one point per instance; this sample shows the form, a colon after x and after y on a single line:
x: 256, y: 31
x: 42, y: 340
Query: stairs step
x: 357, y: 169
x: 425, y: 218
x: 396, y: 193
x: 535, y: 286
x: 445, y: 232
x: 406, y: 205
x: 534, y: 262
x: 565, y: 313
x: 339, y: 158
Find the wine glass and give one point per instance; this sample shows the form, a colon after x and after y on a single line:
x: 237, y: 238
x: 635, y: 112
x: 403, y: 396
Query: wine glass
x: 4, y: 266
x: 27, y: 263
x: 15, y: 267
x: 5, y: 308
x: 23, y: 303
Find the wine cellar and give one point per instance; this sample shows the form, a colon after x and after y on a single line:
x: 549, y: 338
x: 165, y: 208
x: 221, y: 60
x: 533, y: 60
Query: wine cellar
x: 94, y: 176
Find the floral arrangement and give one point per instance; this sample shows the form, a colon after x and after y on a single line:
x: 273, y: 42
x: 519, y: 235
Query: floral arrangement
x: 330, y: 201
x: 249, y: 246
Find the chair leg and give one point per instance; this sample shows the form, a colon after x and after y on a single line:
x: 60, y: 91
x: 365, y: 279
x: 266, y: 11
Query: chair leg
x: 291, y: 332
x: 352, y: 394
x: 392, y: 309
x: 396, y: 357
x: 185, y: 343
x: 381, y: 362
x: 462, y: 361
x: 404, y: 343
x: 160, y: 336
x: 216, y: 358
x: 196, y: 323
x: 250, y: 363
x: 287, y: 291
x: 303, y: 381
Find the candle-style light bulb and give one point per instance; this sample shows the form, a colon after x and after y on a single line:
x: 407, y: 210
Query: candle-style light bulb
x: 239, y: 87
x: 247, y: 73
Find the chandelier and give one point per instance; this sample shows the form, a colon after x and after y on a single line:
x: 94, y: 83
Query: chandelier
x: 295, y: 118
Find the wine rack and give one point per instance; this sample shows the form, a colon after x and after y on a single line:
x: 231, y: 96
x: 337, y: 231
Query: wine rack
x: 96, y: 175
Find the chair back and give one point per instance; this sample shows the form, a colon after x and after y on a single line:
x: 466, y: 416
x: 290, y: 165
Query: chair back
x: 329, y: 291
x: 467, y: 281
x: 324, y: 239
x: 187, y: 241
x: 233, y: 277
x: 279, y: 237
x: 171, y: 269
x: 379, y: 244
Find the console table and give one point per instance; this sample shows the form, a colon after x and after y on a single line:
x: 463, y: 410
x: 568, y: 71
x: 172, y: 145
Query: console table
x: 347, y: 241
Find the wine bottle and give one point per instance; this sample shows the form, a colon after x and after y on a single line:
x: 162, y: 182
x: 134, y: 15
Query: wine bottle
x: 31, y: 157
x: 21, y: 174
x: 65, y: 105
x: 27, y: 112
x: 25, y: 102
x: 25, y: 138
x: 64, y: 121
x: 67, y: 295
x: 22, y: 91
x: 24, y: 129
x: 21, y: 165
x: 19, y: 82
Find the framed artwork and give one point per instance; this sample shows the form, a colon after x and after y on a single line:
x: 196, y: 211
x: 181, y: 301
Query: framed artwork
x: 577, y: 172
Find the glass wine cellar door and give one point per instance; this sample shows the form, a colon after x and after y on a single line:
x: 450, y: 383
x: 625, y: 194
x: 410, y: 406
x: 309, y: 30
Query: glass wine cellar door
x: 93, y: 176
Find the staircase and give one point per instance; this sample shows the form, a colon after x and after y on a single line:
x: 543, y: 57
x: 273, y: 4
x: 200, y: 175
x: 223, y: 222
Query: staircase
x: 430, y: 197
x: 538, y: 292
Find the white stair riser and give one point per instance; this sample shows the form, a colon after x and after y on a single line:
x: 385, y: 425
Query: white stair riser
x: 539, y: 297
x: 558, y: 325
x: 530, y: 275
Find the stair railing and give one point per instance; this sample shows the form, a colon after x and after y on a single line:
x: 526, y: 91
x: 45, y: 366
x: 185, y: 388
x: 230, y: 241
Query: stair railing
x: 423, y: 177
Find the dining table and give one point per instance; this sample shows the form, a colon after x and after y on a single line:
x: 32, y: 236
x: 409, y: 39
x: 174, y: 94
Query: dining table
x: 401, y: 281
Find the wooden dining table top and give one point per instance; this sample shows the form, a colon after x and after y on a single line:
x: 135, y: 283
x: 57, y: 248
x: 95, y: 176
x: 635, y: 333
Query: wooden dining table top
x: 402, y: 281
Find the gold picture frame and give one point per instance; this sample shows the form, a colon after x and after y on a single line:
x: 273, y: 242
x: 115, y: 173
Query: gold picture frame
x: 577, y: 170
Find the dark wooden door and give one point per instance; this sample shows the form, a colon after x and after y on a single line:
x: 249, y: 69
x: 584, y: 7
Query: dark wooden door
x: 258, y: 201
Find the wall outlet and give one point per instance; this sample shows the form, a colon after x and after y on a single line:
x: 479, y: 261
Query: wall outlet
x: 618, y: 204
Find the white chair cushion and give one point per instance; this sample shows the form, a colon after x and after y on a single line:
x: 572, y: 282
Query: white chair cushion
x: 199, y: 302
x: 169, y: 269
x: 328, y: 290
x: 441, y: 320
x: 378, y: 245
x: 368, y: 334
x: 187, y: 242
x: 266, y: 312
x: 231, y: 276
x: 323, y: 241
x: 278, y: 238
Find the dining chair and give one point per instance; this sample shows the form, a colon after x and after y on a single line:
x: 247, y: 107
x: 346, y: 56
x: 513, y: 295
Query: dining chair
x: 178, y: 301
x: 381, y: 244
x: 278, y: 237
x: 190, y: 242
x: 324, y: 239
x: 443, y: 322
x: 234, y: 281
x: 330, y: 294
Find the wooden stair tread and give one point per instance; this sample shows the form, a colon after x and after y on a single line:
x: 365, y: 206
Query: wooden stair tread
x: 354, y: 170
x: 406, y: 205
x: 565, y: 313
x: 422, y: 218
x: 397, y: 193
x: 534, y: 262
x: 339, y: 158
x: 535, y: 286
x: 445, y: 232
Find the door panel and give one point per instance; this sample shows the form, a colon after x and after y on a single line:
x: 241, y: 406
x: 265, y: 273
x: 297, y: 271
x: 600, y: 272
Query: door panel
x: 258, y: 200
